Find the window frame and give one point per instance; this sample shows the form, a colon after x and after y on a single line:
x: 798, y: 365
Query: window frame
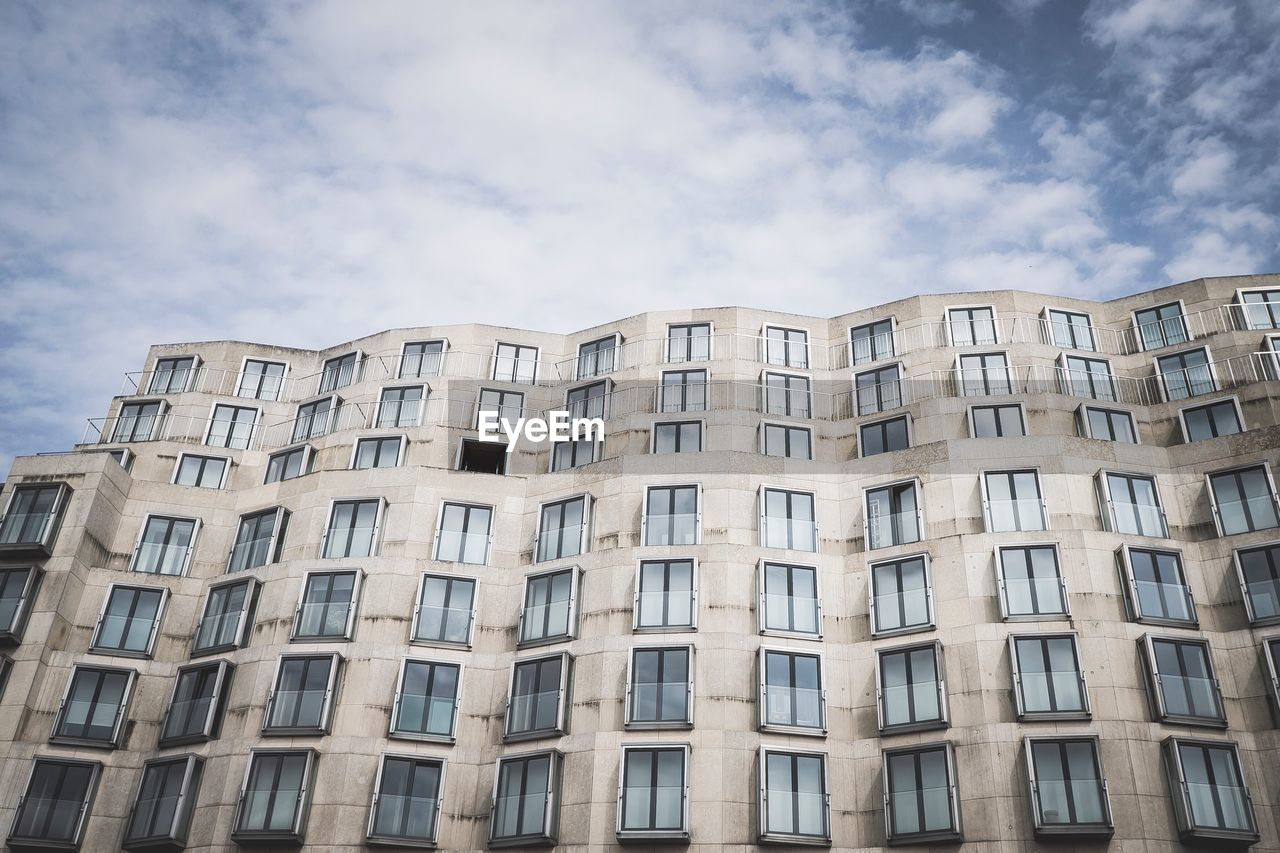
x: 1068, y: 377
x: 684, y: 386
x: 711, y: 342
x: 625, y: 835
x: 398, y: 697
x: 254, y: 429
x: 762, y: 498
x: 578, y: 375
x: 275, y: 545
x: 42, y: 545
x: 905, y: 417
x: 973, y: 424
x: 153, y: 636
x: 211, y: 728
x: 222, y: 480
x: 1002, y: 584
x: 584, y: 539
x: 305, y: 468
x: 762, y: 443
x: 1140, y: 345
x: 414, y: 640
x: 86, y: 805
x: 881, y: 404
x: 375, y: 839
x: 180, y: 824
x: 122, y: 711
x: 515, y: 361
x: 787, y: 346
x: 921, y: 521
x: 1084, y: 426
x: 872, y: 610
x: 702, y: 436
x: 1163, y: 386
x: 629, y: 723
x: 947, y: 324
x: 353, y: 606
x: 987, y: 517
x: 1155, y: 689
x: 191, y: 546
x: 414, y: 421
x: 444, y: 351
x: 563, y: 699
x: 665, y: 628
x: 155, y: 429
x: 330, y: 418
x: 764, y: 834
x: 401, y: 439
x: 1103, y: 490
x: 13, y: 634
x: 1182, y: 808
x: 551, y: 800
x: 952, y: 833
x: 245, y: 619
x: 375, y: 536
x: 336, y: 665
x: 892, y: 320
x: 1238, y: 469
x: 597, y: 453
x: 1019, y: 697
x: 188, y: 384
x: 1010, y: 375
x: 940, y: 671
x: 1234, y: 402
x: 762, y: 717
x: 302, y: 808
x: 1046, y: 316
x: 357, y: 372
x: 697, y: 514
x: 1254, y: 620
x: 762, y: 626
x: 790, y: 409
x: 466, y: 504
x: 1045, y: 831
x: 1132, y: 601
x: 575, y: 592
x: 1271, y: 668
x: 240, y: 377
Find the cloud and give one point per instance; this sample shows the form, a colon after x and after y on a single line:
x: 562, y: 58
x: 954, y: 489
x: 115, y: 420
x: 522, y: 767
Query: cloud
x: 1205, y: 170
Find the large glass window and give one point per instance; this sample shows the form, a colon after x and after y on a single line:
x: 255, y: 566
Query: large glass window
x: 138, y: 422
x: 539, y: 697
x: 55, y: 806
x: 421, y: 358
x: 400, y: 407
x: 225, y: 623
x: 671, y: 515
x: 506, y: 406
x: 287, y: 464
x: 562, y: 529
x: 654, y: 795
x: 683, y: 391
x: 598, y: 357
x: 901, y: 596
x: 1030, y: 583
x: 446, y: 610
x: 339, y: 372
x: 93, y: 711
x: 172, y: 375
x: 1211, y: 420
x: 878, y: 390
x: 327, y: 610
x: 792, y: 695
x: 971, y: 326
x: 571, y: 454
x: 406, y: 800
x: 1183, y: 686
x: 526, y: 800
x: 984, y: 375
x: 165, y: 545
x: 301, y: 701
x: 276, y: 796
x: 785, y: 394
x: 997, y: 421
x: 666, y: 594
x: 689, y: 342
x: 677, y: 437
x: 130, y: 620
x: 1107, y: 425
x: 1243, y: 500
x: 787, y: 520
x: 1068, y: 793
x: 893, y: 516
x: 1185, y: 374
x: 353, y: 528
x: 1261, y: 309
x: 1259, y: 571
x: 660, y: 687
x: 196, y: 706
x: 549, y: 612
x: 317, y: 418
x: 261, y: 380
x: 1088, y: 377
x: 381, y: 451
x: 884, y: 436
x: 789, y: 601
x: 1047, y: 678
x: 786, y: 347
x: 794, y: 803
x: 231, y: 426
x: 259, y: 539
x: 161, y: 814
x: 31, y: 517
x: 206, y: 472
x: 1071, y: 330
x: 871, y: 342
x: 920, y: 794
x: 463, y: 534
x: 1210, y: 798
x: 1014, y: 501
x: 18, y: 588
x: 1133, y: 505
x: 1156, y: 588
x: 790, y: 442
x: 426, y: 704
x: 910, y: 688
x: 1161, y: 326
x: 515, y: 363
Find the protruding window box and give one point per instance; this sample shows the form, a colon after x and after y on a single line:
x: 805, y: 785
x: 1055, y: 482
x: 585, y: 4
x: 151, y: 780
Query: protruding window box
x: 275, y: 798
x: 302, y: 699
x: 197, y: 704
x: 95, y: 707
x: 1211, y: 802
x: 1069, y: 796
x: 406, y: 802
x: 32, y: 516
x: 795, y: 799
x: 538, y: 703
x: 55, y: 806
x: 161, y: 814
x: 653, y: 794
x: 18, y: 588
x: 526, y: 800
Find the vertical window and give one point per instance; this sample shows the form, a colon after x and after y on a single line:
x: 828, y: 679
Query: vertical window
x: 1183, y: 686
x: 161, y: 814
x: 276, y: 796
x: 1261, y: 309
x: 1211, y: 421
x: 786, y: 347
x: 406, y: 800
x: 539, y: 697
x: 426, y: 705
x: 901, y: 596
x: 984, y: 375
x: 677, y: 437
x: 571, y: 454
x: 400, y: 407
x: 683, y: 391
x: 666, y: 594
x: 1088, y: 377
x: 301, y: 701
x: 563, y: 529
x: 1161, y: 326
x: 787, y: 520
x: 791, y: 691
x: 55, y: 805
x: 1271, y: 659
x: 225, y: 622
x: 1156, y: 588
x: 550, y: 606
x: 206, y: 472
x: 1259, y: 573
x: 1030, y: 583
x: 327, y: 609
x: 794, y: 803
x: 1068, y: 793
x: 526, y: 800
x: 165, y: 545
x: 18, y: 587
x: 660, y: 688
x: 1185, y: 374
x: 421, y: 358
x: 689, y: 342
x: 130, y: 620
x: 920, y: 794
x: 93, y: 710
x: 506, y: 406
x: 197, y: 704
x: 1133, y: 505
x: 588, y: 401
x: 32, y: 516
x: 259, y: 539
x: 653, y: 793
x: 172, y: 375
x: 671, y: 516
x: 314, y: 419
x: 463, y: 533
x: 1047, y: 678
x: 515, y: 363
x: 785, y: 394
x: 1243, y: 500
x: 968, y: 327
x: 353, y: 528
x: 893, y: 516
x: 1014, y: 502
x: 596, y: 358
x: 910, y: 688
x: 871, y: 342
x: 790, y: 442
x: 1107, y: 425
x: 789, y: 601
x: 138, y: 422
x: 884, y: 436
x: 878, y: 390
x: 446, y: 610
x: 997, y: 421
x: 1210, y: 798
x: 339, y: 372
x: 1071, y: 330
x: 231, y: 426
x: 261, y: 380
x: 288, y: 464
x: 378, y: 452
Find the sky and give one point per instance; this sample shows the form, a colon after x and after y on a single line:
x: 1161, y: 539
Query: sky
x: 306, y: 173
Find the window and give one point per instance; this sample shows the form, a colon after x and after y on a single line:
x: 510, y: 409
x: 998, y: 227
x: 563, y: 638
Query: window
x: 18, y: 588
x: 340, y: 372
x: 123, y: 456
x: 287, y: 464
x: 1210, y: 799
x: 894, y: 516
x: 1070, y: 330
x: 526, y: 800
x: 421, y: 358
x: 197, y: 704
x: 1260, y: 309
x: 795, y: 806
x: 596, y: 358
x: 790, y: 442
x: 901, y: 596
x: 785, y: 394
x: 786, y: 347
x: 400, y: 407
x: 317, y: 418
x: 206, y: 472
x: 1047, y: 678
x: 406, y: 800
x: 380, y: 451
x: 920, y: 795
x: 227, y: 617
x: 1211, y: 420
x: 997, y: 421
x: 1132, y: 505
x: 871, y: 342
x: 666, y: 595
x: 276, y: 796
x: 571, y: 454
x: 172, y: 375
x: 563, y: 529
x: 878, y: 390
x: 550, y: 606
x: 1186, y: 374
x: 301, y: 701
x: 1030, y: 584
x: 1013, y: 501
x: 463, y: 533
x: 677, y: 437
x: 789, y: 600
x: 32, y: 517
x: 1271, y: 659
x: 683, y: 391
x: 259, y: 539
x: 231, y: 426
x: 261, y: 380
x: 653, y: 793
x: 138, y: 422
x: 165, y: 546
x: 1244, y: 500
x: 6, y: 668
x: 507, y: 406
x: 689, y: 342
x: 1156, y: 588
x: 984, y: 375
x: 1068, y: 793
x: 588, y: 401
x: 93, y: 710
x: 791, y: 691
x: 968, y: 327
x: 672, y: 515
x: 1106, y: 424
x: 1088, y: 377
x: 515, y: 363
x: 1181, y: 680
x: 539, y: 692
x: 910, y: 689
x: 787, y: 520
x: 660, y: 688
x: 55, y: 805
x: 884, y: 436
x: 1259, y: 573
x: 486, y: 457
x: 445, y: 612
x: 130, y: 620
x: 426, y: 704
x: 353, y: 528
x: 161, y: 814
x: 1161, y: 326
x: 327, y: 608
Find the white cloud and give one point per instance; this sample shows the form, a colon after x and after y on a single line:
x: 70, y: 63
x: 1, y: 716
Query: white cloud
x: 1205, y: 170
x: 1213, y: 251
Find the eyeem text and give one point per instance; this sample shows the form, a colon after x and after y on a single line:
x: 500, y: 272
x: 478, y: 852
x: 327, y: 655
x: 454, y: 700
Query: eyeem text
x: 561, y: 427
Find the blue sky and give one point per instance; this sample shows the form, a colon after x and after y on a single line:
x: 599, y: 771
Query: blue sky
x: 305, y: 173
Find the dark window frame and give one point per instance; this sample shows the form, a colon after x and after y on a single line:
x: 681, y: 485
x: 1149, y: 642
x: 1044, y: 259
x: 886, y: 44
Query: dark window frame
x: 215, y: 675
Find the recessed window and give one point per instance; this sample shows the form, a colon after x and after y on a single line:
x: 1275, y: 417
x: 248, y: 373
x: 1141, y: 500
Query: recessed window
x: 785, y: 394
x: 172, y: 375
x: 539, y: 702
x: 426, y: 705
x: 1070, y: 330
x: 1132, y: 505
x: 1210, y: 798
x: 878, y: 390
x: 463, y: 533
x: 1088, y: 377
x: 598, y: 357
x: 130, y: 620
x: 1156, y: 588
x: 901, y: 596
x: 1244, y: 500
x: 55, y: 806
x: 231, y: 426
x: 790, y: 442
x: 997, y: 421
x: 445, y: 612
x: 206, y: 472
x: 259, y: 539
x: 910, y: 688
x: 968, y: 327
x: 1161, y: 326
x: 795, y: 806
x: 1186, y: 374
x: 165, y: 546
x: 317, y: 418
x: 660, y: 688
x: 983, y: 375
x: 227, y: 617
x: 261, y: 380
x: 1182, y: 684
x: 871, y: 342
x: 1259, y: 573
x: 689, y: 342
x: 787, y: 520
x: 1030, y: 583
x: 563, y: 528
x: 340, y: 372
x: 276, y: 796
x: 515, y: 363
x: 671, y: 515
x: 406, y: 800
x: 550, y: 606
x: 32, y: 517
x: 792, y: 695
x: 1106, y: 424
x: 893, y: 516
x: 1068, y: 792
x: 507, y: 406
x: 884, y: 436
x: 653, y: 796
x: 920, y: 794
x: 301, y: 702
x: 677, y: 437
x: 421, y: 358
x: 353, y: 528
x: 570, y: 454
x: 18, y: 588
x: 1013, y: 501
x: 1047, y: 678
x: 197, y: 704
x: 380, y: 451
x: 526, y: 800
x: 400, y: 407
x: 327, y: 609
x: 161, y: 814
x: 666, y: 595
x: 683, y: 391
x: 786, y: 347
x: 484, y: 457
x: 93, y: 710
x: 287, y: 464
x: 1211, y: 420
x: 789, y: 601
x: 138, y: 422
